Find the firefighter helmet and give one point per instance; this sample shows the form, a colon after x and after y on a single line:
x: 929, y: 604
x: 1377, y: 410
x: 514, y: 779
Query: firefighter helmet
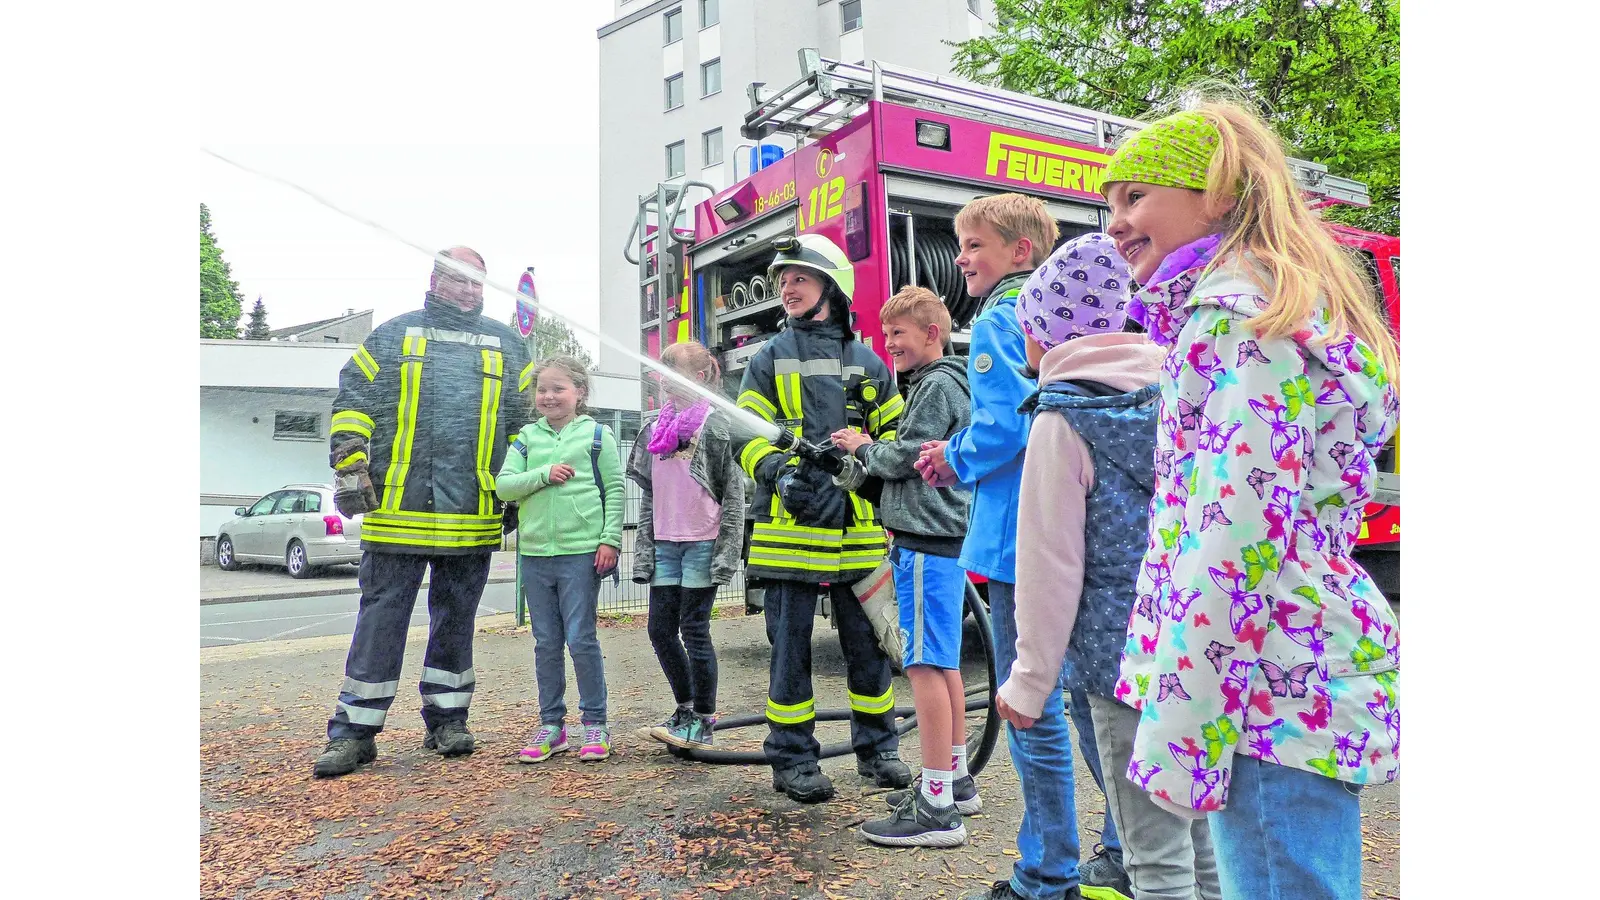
x: 817, y: 253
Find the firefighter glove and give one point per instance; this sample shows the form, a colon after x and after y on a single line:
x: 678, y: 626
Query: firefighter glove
x: 767, y: 469
x: 353, y: 494
x: 809, y: 494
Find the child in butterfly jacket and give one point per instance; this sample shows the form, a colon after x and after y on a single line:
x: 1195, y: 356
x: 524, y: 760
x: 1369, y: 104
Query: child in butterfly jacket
x: 1081, y: 529
x: 1263, y: 658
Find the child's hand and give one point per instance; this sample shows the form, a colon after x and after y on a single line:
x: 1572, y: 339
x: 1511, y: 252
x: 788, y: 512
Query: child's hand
x: 560, y: 472
x: 933, y: 467
x: 849, y: 440
x: 1010, y: 714
x: 605, y: 559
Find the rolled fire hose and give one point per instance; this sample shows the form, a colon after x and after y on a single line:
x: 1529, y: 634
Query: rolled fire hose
x: 758, y: 290
x: 739, y: 297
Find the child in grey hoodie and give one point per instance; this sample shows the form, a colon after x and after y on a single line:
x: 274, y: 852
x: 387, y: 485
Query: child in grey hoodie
x: 928, y: 524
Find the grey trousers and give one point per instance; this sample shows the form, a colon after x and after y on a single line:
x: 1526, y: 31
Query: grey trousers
x: 1167, y: 858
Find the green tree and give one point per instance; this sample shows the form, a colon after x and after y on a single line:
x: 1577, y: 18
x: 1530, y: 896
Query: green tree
x: 257, y: 330
x: 1326, y: 73
x: 552, y: 337
x: 220, y: 303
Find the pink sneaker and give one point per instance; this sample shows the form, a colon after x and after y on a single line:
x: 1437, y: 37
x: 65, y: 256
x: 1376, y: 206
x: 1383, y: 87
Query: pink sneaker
x: 547, y: 742
x: 596, y: 743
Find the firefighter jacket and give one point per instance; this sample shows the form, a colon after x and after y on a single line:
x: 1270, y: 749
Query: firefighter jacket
x: 435, y: 395
x: 812, y: 381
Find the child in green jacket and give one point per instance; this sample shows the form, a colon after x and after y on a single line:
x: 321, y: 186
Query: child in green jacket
x: 565, y: 474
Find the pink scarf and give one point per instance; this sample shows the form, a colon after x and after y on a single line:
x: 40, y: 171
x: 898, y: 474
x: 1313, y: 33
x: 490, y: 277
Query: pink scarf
x: 673, y: 431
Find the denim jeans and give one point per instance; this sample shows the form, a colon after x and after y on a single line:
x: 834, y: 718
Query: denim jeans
x: 563, y: 595
x: 1083, y: 724
x: 1287, y: 833
x: 680, y: 632
x: 1042, y: 755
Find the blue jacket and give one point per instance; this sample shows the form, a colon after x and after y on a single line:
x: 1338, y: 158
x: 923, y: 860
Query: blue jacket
x: 987, y: 454
x: 1120, y: 431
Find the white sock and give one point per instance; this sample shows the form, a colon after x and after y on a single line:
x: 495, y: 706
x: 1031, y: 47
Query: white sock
x: 958, y: 761
x: 936, y: 789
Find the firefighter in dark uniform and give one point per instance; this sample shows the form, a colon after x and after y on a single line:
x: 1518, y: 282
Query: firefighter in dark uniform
x: 425, y: 411
x: 814, y: 378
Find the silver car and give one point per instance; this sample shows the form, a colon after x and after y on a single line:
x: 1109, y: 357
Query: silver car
x: 296, y: 527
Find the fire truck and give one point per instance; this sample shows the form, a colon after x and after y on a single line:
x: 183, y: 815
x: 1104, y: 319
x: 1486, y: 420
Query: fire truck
x: 884, y: 157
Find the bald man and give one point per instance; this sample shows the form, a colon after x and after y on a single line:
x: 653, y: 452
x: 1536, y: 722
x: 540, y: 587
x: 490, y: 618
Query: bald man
x: 426, y: 409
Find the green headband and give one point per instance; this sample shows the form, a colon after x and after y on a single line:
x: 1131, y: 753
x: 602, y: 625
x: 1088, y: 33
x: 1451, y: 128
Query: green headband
x: 1174, y: 151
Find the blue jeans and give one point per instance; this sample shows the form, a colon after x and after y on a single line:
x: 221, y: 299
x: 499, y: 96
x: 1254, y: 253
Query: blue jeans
x: 1083, y: 724
x: 1042, y: 755
x: 1287, y: 833
x: 563, y: 596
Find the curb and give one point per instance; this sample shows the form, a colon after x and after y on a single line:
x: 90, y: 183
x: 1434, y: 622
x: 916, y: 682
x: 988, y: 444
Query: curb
x: 329, y: 591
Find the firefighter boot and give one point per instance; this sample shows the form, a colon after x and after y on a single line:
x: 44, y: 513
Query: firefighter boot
x: 450, y: 739
x: 885, y: 769
x: 343, y: 755
x: 803, y: 782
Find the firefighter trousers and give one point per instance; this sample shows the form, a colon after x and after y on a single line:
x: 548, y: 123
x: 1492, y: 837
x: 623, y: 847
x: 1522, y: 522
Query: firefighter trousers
x: 791, y: 609
x: 389, y: 585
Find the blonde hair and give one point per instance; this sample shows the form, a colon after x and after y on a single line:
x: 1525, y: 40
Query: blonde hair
x: 1013, y: 217
x: 692, y: 356
x: 1270, y: 222
x: 921, y: 306
x: 574, y: 370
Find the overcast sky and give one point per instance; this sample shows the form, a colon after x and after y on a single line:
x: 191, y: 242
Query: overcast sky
x: 480, y: 130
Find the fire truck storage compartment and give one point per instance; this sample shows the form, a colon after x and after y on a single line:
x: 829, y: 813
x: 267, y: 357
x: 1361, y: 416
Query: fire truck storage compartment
x: 922, y: 218
x: 745, y: 310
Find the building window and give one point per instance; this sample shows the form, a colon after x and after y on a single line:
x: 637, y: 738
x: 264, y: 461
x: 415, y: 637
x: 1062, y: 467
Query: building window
x: 674, y: 92
x: 710, y: 13
x: 330, y: 339
x: 675, y: 159
x: 711, y: 147
x: 296, y: 426
x: 849, y: 16
x: 975, y: 7
x: 673, y: 24
x: 710, y: 78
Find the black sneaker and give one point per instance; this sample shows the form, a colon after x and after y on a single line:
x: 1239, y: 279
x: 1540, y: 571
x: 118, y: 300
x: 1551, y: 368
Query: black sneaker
x: 917, y: 823
x: 803, y: 782
x: 1002, y: 890
x: 450, y: 739
x: 343, y: 755
x: 885, y: 769
x: 1101, y: 877
x: 694, y: 732
x: 964, y: 789
x: 659, y: 732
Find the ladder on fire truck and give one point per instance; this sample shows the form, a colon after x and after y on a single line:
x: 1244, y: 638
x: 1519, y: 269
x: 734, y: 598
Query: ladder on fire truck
x: 830, y: 93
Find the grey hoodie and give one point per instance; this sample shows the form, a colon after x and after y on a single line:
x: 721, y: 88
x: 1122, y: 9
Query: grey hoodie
x: 924, y: 519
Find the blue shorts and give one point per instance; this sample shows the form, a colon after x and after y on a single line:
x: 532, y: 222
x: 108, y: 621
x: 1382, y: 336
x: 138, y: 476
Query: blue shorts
x: 931, y: 593
x: 686, y: 563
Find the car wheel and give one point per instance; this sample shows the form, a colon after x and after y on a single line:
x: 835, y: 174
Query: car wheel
x: 226, y: 559
x: 295, y: 559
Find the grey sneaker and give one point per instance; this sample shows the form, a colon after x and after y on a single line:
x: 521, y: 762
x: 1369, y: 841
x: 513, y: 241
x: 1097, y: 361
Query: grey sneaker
x: 964, y: 789
x: 450, y: 739
x: 917, y: 824
x: 694, y: 732
x: 1101, y: 877
x: 343, y: 755
x: 659, y: 732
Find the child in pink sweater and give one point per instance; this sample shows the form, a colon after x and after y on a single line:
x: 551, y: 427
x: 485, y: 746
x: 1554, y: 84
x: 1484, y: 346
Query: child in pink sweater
x: 1081, y: 533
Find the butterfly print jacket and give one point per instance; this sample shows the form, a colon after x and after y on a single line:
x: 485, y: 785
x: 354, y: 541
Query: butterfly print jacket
x: 1253, y: 631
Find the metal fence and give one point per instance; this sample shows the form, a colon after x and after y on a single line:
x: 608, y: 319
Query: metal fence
x: 624, y: 596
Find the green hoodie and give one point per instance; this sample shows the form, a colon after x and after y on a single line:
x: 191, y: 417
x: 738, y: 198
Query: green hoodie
x: 567, y: 518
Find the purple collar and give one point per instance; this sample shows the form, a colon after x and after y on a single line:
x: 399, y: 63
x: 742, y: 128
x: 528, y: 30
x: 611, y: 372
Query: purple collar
x: 1161, y: 304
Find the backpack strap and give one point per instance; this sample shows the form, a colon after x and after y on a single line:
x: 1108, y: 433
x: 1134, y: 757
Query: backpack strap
x: 594, y: 466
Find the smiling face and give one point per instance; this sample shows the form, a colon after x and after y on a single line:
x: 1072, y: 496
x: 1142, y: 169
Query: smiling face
x: 986, y: 257
x: 800, y: 288
x: 1149, y: 221
x: 457, y: 286
x: 557, y: 397
x: 910, y: 345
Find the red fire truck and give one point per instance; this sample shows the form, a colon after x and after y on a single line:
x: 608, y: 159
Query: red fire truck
x: 883, y: 159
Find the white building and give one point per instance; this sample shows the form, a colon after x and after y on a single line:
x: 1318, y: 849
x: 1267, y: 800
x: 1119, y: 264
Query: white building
x: 673, y: 79
x: 264, y: 410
